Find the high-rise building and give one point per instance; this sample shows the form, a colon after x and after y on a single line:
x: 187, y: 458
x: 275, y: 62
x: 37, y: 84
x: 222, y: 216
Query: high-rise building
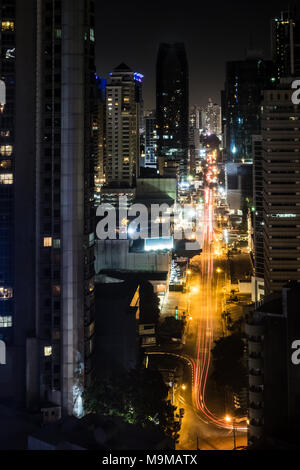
x: 286, y: 45
x: 99, y: 130
x: 213, y: 118
x: 258, y: 219
x: 172, y: 106
x: 273, y: 332
x: 46, y: 201
x: 281, y: 179
x: 150, y: 140
x: 123, y: 99
x: 241, y: 104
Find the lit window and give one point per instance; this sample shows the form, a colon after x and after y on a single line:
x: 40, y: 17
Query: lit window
x: 56, y: 291
x: 56, y: 244
x: 6, y: 150
x: 92, y: 35
x: 8, y: 26
x: 47, y: 242
x: 58, y: 33
x: 6, y: 293
x: 6, y: 178
x: 5, y: 322
x: 5, y: 164
x: 5, y: 133
x: 48, y: 351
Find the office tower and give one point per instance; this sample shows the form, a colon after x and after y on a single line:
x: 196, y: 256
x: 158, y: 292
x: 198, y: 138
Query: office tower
x: 241, y: 103
x: 194, y: 137
x: 286, y: 45
x: 47, y: 238
x: 258, y: 228
x: 281, y: 178
x: 213, y: 118
x: 273, y: 332
x: 99, y: 129
x: 172, y: 106
x: 122, y: 126
x: 150, y: 139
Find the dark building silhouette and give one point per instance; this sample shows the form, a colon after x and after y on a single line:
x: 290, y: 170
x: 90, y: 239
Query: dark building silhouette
x: 273, y: 338
x: 172, y: 105
x: 241, y: 103
x: 285, y: 32
x: 46, y: 201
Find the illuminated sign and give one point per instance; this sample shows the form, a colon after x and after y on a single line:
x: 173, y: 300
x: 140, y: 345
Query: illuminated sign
x: 157, y: 244
x: 138, y: 77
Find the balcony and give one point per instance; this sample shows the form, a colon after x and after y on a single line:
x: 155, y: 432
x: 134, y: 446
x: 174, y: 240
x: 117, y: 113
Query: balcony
x: 255, y: 395
x: 254, y: 329
x: 255, y: 378
x: 255, y: 361
x: 256, y: 411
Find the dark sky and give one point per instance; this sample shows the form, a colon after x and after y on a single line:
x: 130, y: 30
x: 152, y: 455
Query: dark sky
x: 213, y: 32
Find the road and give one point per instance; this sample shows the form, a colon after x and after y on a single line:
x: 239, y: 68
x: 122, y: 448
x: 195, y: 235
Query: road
x: 204, y: 405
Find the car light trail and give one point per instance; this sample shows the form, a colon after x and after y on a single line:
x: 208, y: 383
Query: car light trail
x: 205, y: 331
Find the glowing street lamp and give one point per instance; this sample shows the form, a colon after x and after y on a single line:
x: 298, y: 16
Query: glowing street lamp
x: 229, y: 419
x: 219, y: 270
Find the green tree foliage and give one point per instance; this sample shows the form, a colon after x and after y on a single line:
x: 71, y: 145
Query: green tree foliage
x: 139, y: 397
x: 228, y: 367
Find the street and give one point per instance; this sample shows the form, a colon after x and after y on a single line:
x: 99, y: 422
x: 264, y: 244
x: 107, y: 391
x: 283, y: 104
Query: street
x: 204, y: 420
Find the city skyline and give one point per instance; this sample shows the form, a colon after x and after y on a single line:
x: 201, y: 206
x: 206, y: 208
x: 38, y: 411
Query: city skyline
x: 213, y: 33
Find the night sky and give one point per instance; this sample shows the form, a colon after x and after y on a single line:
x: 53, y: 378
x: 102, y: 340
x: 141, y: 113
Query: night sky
x: 213, y: 32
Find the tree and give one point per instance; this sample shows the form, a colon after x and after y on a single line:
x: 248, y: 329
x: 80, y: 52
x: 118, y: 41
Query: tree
x: 170, y: 328
x: 228, y: 367
x: 139, y: 397
x: 149, y: 304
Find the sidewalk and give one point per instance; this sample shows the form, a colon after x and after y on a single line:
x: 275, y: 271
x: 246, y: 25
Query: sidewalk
x: 173, y: 300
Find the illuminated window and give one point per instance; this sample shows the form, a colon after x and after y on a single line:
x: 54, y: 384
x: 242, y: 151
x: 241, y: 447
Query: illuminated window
x: 56, y: 291
x: 5, y: 133
x: 56, y: 244
x: 6, y: 178
x: 92, y: 35
x: 6, y: 150
x: 5, y: 164
x: 47, y: 242
x: 8, y: 26
x: 5, y: 322
x: 48, y: 351
x: 6, y: 293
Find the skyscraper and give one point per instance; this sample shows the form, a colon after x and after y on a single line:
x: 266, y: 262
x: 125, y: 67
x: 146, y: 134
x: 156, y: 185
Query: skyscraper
x: 286, y: 45
x: 241, y: 103
x: 172, y: 105
x: 47, y: 190
x: 213, y: 118
x: 150, y: 140
x: 123, y: 101
x: 281, y: 178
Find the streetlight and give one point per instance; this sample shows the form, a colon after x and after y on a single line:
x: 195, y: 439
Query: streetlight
x: 218, y: 270
x: 229, y: 419
x: 183, y: 386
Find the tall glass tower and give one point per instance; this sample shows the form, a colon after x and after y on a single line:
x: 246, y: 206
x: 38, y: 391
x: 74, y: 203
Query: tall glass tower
x: 172, y: 105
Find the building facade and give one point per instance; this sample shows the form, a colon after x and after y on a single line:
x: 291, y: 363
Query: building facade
x: 286, y: 45
x: 123, y: 99
x: 48, y: 125
x: 172, y: 106
x: 273, y: 332
x: 281, y: 197
x: 241, y: 104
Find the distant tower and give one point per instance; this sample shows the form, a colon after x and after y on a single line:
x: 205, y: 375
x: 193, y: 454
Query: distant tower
x: 286, y: 45
x: 123, y: 101
x: 172, y: 105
